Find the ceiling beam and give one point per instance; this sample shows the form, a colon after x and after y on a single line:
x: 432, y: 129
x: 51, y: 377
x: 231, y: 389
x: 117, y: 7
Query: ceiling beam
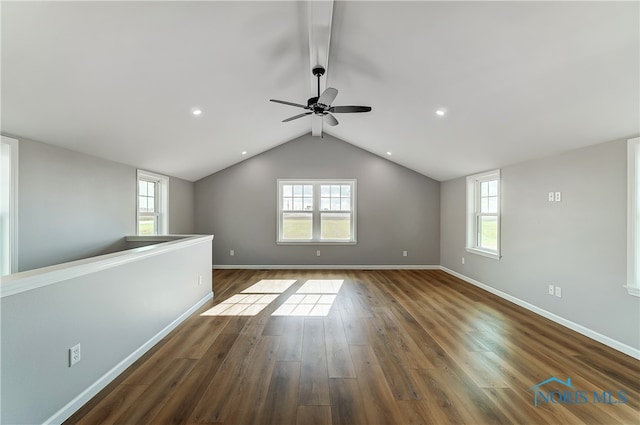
x: 320, y: 17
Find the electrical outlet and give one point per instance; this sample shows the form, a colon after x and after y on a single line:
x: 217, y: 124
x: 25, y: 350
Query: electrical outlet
x: 404, y: 253
x: 551, y: 197
x: 558, y: 292
x: 558, y: 196
x: 551, y: 289
x: 74, y: 355
x: 232, y: 253
x: 317, y: 253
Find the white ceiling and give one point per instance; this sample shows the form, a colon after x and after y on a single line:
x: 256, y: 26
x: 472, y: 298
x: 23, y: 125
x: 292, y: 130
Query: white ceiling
x: 520, y: 80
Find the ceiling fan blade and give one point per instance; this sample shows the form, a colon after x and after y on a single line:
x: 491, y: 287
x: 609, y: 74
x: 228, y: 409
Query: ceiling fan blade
x: 348, y: 109
x: 284, y: 102
x: 327, y: 96
x: 330, y: 119
x: 295, y: 117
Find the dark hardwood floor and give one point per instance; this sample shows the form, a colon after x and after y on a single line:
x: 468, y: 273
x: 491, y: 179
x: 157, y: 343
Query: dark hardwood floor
x: 396, y: 347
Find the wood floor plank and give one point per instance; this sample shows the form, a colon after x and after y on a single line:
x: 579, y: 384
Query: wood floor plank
x: 281, y: 404
x: 347, y: 406
x: 380, y: 405
x: 339, y: 364
x: 178, y: 408
x: 291, y: 343
x: 398, y: 346
x: 150, y: 401
x: 113, y: 405
x: 314, y: 376
x: 314, y: 415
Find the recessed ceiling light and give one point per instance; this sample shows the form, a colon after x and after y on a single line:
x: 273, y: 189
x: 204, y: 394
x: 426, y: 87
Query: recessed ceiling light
x: 389, y: 153
x: 243, y: 152
x: 197, y: 112
x: 441, y: 112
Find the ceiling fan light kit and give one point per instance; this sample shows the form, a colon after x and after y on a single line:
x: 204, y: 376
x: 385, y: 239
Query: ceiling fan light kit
x: 321, y: 105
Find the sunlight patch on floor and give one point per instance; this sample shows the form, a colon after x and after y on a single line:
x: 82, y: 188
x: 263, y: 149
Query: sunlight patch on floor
x: 242, y: 305
x: 321, y: 286
x: 314, y: 298
x: 270, y: 286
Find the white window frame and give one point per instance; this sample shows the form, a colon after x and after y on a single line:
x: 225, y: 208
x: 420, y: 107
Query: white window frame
x: 316, y: 212
x: 9, y: 200
x: 473, y: 213
x: 633, y: 217
x: 161, y: 198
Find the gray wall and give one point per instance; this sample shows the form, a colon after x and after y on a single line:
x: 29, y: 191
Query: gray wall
x: 72, y: 205
x: 578, y: 244
x: 181, y: 206
x: 398, y: 209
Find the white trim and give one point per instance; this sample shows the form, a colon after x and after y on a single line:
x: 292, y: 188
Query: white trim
x: 316, y: 212
x: 483, y: 253
x: 323, y: 267
x: 162, y: 200
x: 610, y: 342
x: 14, y: 146
x: 82, y: 398
x: 32, y: 279
x: 472, y: 208
x: 633, y: 238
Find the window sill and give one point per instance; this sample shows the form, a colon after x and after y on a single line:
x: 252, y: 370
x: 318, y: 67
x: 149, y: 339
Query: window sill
x: 633, y: 290
x: 489, y: 254
x: 316, y: 243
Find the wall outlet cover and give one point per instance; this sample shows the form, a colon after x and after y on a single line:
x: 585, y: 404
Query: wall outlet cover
x: 74, y: 355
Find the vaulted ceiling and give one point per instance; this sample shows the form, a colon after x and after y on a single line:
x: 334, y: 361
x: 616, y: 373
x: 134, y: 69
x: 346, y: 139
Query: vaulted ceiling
x: 519, y: 80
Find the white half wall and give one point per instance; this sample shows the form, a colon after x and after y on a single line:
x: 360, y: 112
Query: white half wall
x: 116, y: 311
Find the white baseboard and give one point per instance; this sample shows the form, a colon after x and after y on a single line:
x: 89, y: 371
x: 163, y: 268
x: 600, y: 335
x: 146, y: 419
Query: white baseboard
x: 75, y: 404
x: 610, y: 342
x: 325, y: 267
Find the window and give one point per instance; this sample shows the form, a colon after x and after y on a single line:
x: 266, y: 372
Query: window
x: 483, y: 214
x: 9, y: 206
x: 153, y: 196
x: 317, y: 211
x: 633, y: 217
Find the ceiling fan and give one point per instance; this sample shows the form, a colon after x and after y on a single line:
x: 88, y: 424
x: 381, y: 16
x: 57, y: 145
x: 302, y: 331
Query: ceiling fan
x: 321, y: 105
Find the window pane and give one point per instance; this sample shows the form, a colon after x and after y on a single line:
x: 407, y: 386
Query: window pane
x: 484, y: 189
x: 484, y: 205
x: 308, y: 203
x: 297, y: 204
x: 346, y: 190
x: 297, y: 225
x: 493, y: 204
x: 151, y: 189
x: 325, y: 204
x: 488, y: 232
x: 297, y: 190
x: 151, y: 204
x: 142, y: 204
x: 287, y: 204
x: 493, y: 188
x: 345, y: 204
x: 147, y: 226
x: 336, y: 226
x: 308, y: 190
x: 325, y: 190
x: 335, y: 190
x: 335, y: 204
x: 142, y: 188
x: 287, y: 190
